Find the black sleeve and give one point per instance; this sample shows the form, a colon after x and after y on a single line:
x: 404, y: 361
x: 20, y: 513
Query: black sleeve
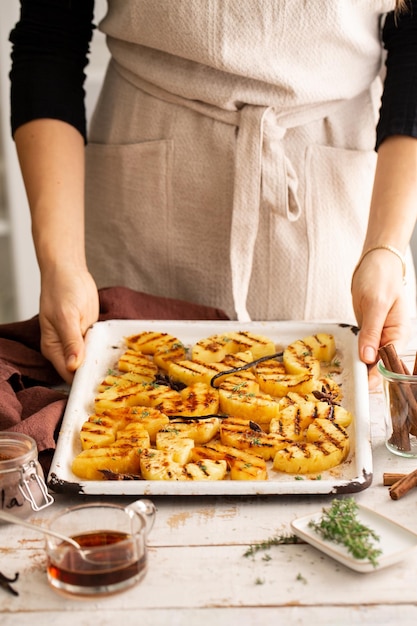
x: 50, y: 45
x: 398, y: 114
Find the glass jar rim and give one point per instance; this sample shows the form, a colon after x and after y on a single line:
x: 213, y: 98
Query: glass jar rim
x: 24, y: 446
x: 393, y: 376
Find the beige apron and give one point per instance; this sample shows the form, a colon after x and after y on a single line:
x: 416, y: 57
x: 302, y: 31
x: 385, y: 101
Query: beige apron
x: 231, y: 154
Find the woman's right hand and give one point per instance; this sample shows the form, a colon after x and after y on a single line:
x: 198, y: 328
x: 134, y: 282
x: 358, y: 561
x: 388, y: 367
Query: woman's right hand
x: 69, y: 305
x: 51, y: 156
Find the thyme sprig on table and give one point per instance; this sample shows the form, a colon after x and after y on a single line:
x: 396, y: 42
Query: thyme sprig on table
x: 340, y: 524
x: 280, y: 540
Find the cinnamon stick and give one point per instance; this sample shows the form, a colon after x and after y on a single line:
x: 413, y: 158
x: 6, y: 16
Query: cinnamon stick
x: 413, y: 429
x: 402, y: 400
x: 412, y: 417
x: 415, y: 367
x: 390, y: 478
x: 403, y: 485
x: 410, y: 392
x: 404, y: 368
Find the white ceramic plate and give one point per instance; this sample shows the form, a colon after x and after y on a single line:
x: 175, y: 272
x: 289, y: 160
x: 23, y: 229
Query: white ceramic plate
x: 395, y: 541
x: 105, y: 344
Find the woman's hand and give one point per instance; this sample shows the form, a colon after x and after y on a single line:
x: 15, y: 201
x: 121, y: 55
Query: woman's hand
x: 69, y: 305
x: 51, y: 155
x: 379, y: 298
x: 380, y: 306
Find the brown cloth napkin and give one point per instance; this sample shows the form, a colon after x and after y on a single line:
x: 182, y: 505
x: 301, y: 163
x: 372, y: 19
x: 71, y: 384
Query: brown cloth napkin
x: 31, y: 401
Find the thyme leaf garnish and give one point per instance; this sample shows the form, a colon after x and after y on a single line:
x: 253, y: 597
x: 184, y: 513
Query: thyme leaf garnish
x: 340, y: 524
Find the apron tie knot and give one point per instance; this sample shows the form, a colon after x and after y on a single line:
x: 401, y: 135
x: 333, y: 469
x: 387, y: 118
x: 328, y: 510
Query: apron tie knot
x: 261, y: 163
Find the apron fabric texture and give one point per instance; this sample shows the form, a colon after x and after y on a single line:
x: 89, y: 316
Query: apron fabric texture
x: 230, y: 158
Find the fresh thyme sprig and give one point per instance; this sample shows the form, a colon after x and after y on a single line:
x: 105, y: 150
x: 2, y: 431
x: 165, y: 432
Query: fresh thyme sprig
x: 340, y: 524
x: 273, y: 541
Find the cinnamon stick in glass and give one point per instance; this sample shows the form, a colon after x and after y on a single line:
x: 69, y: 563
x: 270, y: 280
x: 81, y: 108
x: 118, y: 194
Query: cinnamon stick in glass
x: 399, y: 399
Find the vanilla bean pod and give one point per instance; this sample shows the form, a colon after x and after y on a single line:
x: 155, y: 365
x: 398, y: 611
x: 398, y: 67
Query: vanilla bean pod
x: 5, y: 583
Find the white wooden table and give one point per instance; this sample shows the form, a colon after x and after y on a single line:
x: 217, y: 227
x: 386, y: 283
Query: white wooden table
x: 198, y: 573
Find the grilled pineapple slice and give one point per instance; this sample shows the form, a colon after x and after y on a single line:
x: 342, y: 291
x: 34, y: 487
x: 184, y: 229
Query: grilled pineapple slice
x: 326, y: 430
x: 215, y: 348
x: 194, y: 371
x: 235, y: 378
x: 116, y: 380
x: 200, y: 431
x: 166, y: 400
x: 274, y: 379
x: 160, y: 465
x: 150, y: 419
x: 122, y: 395
x: 289, y: 425
x: 243, y: 465
x: 164, y: 348
x: 133, y: 361
x: 241, y: 469
x: 302, y: 354
x: 206, y: 469
x: 334, y: 413
x: 133, y: 435
x: 118, y: 459
x: 295, y: 415
x: 179, y: 446
x: 258, y: 407
x: 323, y: 346
x: 154, y: 395
x: 238, y: 384
x: 199, y: 399
x: 327, y: 445
x: 243, y: 437
x: 98, y: 431
x: 309, y: 457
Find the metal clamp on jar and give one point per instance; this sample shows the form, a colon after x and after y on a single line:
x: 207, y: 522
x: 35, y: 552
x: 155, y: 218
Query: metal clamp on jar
x: 22, y: 484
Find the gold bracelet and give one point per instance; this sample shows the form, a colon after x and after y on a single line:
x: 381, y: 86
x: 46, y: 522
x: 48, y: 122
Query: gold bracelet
x: 384, y: 247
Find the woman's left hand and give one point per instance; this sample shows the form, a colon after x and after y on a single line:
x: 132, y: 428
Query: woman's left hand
x: 380, y: 305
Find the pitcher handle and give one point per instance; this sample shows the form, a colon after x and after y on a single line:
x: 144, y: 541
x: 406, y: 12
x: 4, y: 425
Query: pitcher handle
x: 146, y: 509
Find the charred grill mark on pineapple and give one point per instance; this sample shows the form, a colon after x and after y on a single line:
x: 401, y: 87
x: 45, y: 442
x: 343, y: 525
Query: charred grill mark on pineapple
x: 164, y: 348
x: 331, y: 432
x: 216, y: 347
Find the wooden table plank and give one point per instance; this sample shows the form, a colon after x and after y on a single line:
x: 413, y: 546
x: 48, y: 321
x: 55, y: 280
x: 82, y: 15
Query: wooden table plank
x: 221, y: 576
x: 295, y: 616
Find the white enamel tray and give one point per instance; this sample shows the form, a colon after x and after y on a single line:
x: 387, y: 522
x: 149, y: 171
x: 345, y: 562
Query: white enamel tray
x: 395, y: 541
x: 104, y: 344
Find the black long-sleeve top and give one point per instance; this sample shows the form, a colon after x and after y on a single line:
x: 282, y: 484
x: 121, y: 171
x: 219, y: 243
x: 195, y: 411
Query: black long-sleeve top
x: 50, y: 53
